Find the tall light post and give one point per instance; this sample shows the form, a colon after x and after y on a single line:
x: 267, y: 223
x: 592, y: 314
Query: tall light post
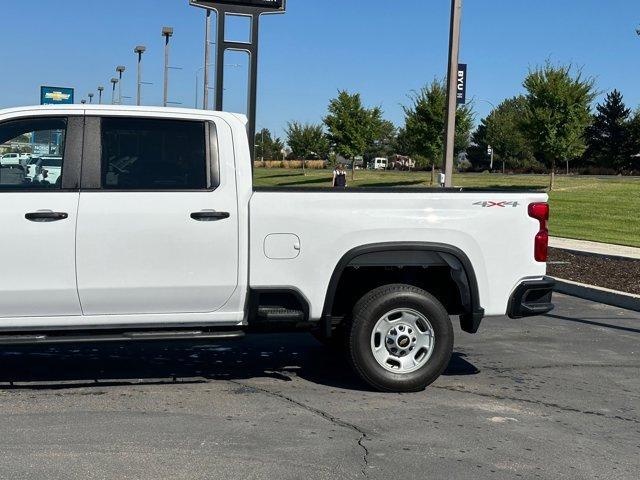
x: 90, y: 97
x: 139, y: 50
x: 120, y: 69
x: 100, y: 90
x: 452, y: 99
x: 198, y: 70
x: 207, y: 59
x: 167, y: 33
x: 114, y: 82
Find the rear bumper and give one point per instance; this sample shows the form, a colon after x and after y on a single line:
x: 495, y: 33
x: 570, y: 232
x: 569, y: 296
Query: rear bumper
x: 532, y: 297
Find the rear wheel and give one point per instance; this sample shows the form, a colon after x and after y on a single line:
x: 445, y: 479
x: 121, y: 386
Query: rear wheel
x: 400, y: 339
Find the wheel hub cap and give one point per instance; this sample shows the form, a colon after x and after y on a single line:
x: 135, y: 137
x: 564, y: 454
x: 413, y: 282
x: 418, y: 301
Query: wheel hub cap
x: 402, y: 341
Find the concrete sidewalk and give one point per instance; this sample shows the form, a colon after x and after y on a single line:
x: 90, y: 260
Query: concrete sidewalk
x: 595, y: 248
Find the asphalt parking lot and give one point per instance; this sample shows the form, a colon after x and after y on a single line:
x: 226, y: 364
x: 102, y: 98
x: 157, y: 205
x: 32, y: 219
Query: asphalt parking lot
x: 550, y: 397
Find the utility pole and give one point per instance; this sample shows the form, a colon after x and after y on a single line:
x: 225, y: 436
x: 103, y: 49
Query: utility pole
x: 452, y: 80
x: 114, y: 82
x: 167, y: 33
x: 100, y: 90
x: 207, y: 59
x: 139, y: 50
x: 490, y: 152
x: 120, y: 69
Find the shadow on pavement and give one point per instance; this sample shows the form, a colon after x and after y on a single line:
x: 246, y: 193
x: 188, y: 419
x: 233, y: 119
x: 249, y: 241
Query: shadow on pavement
x: 593, y: 323
x: 148, y: 363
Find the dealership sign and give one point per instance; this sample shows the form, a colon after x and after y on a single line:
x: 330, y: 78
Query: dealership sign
x: 276, y: 5
x: 56, y: 96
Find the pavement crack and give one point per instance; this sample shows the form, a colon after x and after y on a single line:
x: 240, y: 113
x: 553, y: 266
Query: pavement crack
x: 539, y: 402
x: 319, y: 413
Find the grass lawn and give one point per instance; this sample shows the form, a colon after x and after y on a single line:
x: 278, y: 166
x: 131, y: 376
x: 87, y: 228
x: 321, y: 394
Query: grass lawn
x: 588, y: 208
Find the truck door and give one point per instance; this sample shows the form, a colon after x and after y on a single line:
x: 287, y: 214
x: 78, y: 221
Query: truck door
x: 38, y: 218
x: 157, y: 221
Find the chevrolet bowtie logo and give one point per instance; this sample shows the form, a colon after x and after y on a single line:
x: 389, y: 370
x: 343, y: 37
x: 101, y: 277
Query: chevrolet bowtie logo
x: 57, y: 96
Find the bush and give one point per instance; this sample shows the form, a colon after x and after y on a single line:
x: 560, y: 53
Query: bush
x: 464, y: 166
x: 422, y: 163
x: 316, y: 164
x: 593, y: 170
x: 291, y: 164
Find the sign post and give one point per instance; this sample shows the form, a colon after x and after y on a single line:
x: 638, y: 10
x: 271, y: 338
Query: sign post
x: 246, y: 8
x: 452, y: 85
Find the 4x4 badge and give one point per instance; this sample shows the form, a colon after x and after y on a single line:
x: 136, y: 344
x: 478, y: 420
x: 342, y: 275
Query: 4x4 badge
x: 489, y: 204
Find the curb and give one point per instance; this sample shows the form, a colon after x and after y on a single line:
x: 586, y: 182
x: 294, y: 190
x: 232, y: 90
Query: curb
x: 614, y: 298
x: 614, y: 256
x: 595, y: 248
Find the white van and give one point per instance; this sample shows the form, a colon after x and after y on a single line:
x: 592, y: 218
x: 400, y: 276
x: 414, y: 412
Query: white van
x: 380, y: 164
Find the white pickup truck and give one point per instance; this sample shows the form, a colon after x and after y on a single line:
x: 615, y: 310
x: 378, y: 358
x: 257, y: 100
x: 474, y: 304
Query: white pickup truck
x: 154, y: 231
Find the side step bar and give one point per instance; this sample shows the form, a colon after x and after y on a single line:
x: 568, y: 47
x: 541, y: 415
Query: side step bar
x: 280, y: 314
x: 129, y: 336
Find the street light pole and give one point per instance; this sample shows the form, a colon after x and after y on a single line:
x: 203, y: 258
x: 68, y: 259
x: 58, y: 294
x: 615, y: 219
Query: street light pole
x: 120, y: 69
x: 139, y: 50
x: 100, y: 90
x: 90, y: 97
x: 167, y: 33
x: 452, y: 80
x: 207, y: 59
x: 114, y: 82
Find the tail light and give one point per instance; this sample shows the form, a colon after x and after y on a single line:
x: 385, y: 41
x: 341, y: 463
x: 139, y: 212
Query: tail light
x: 540, y: 211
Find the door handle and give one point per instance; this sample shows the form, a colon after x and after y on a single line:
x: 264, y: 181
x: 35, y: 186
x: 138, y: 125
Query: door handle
x: 210, y: 216
x: 46, y: 216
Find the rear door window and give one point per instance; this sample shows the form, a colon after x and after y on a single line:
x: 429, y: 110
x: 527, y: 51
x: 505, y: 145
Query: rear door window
x: 153, y: 154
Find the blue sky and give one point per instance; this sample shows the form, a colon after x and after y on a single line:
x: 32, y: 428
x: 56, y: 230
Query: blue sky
x: 382, y: 49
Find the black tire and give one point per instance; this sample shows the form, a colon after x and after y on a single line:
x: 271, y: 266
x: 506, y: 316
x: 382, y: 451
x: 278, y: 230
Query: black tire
x: 371, y: 308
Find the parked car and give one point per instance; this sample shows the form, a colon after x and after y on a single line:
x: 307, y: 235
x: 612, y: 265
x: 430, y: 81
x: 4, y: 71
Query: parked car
x: 379, y: 164
x: 180, y: 245
x: 10, y: 159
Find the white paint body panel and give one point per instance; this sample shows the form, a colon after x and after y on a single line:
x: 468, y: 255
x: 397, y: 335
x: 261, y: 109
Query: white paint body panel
x: 498, y: 241
x: 38, y: 269
x: 141, y: 253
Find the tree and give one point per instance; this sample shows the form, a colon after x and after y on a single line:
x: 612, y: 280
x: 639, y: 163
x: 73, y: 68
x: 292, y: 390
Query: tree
x: 307, y: 141
x: 609, y: 136
x: 425, y: 117
x: 558, y: 113
x: 505, y: 134
x: 384, y: 145
x: 267, y: 147
x: 477, y: 151
x: 353, y: 129
x: 634, y: 135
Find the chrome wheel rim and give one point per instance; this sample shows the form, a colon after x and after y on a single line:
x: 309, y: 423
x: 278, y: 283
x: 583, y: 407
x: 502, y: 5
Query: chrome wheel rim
x: 402, y: 341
